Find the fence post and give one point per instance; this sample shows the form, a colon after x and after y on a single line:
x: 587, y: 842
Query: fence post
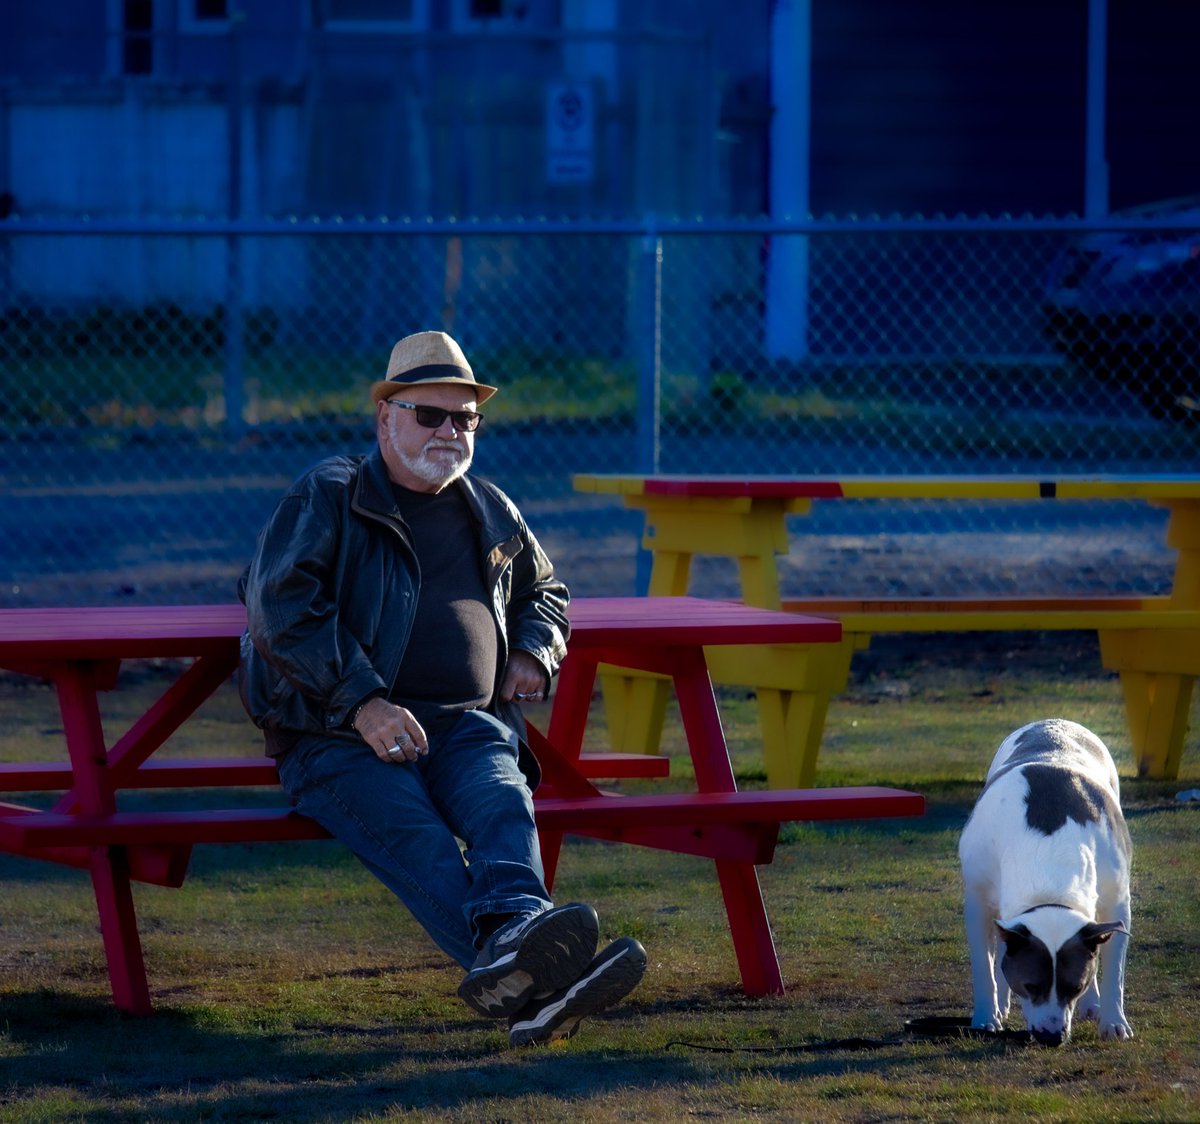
x: 234, y: 320
x: 1095, y: 186
x: 648, y: 342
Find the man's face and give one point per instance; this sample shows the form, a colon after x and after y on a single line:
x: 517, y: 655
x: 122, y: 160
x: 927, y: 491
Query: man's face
x: 425, y: 460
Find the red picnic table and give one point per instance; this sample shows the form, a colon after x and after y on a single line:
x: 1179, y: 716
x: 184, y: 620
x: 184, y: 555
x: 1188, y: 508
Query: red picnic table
x: 80, y: 650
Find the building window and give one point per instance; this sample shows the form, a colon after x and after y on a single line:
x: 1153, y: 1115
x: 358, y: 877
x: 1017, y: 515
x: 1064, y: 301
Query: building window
x: 505, y: 15
x: 137, y: 42
x: 371, y: 15
x: 204, y: 17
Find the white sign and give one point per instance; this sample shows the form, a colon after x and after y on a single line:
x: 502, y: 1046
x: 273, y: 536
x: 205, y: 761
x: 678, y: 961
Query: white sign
x: 570, y: 133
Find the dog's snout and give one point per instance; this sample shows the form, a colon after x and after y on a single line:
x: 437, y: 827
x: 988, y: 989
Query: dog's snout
x: 1049, y: 1037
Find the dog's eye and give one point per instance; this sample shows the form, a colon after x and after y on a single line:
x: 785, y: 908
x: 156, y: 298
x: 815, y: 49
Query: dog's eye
x: 1034, y: 992
x: 1068, y: 993
x: 1071, y: 984
x: 1029, y: 971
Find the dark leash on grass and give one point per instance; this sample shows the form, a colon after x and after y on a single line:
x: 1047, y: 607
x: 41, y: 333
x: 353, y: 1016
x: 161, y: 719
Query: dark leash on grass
x: 931, y: 1027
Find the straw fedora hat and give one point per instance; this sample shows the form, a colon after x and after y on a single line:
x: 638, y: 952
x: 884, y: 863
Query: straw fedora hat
x: 428, y: 359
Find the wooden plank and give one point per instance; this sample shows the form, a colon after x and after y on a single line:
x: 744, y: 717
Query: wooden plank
x: 964, y: 614
x: 118, y: 632
x: 611, y: 485
x: 203, y: 772
x: 35, y: 776
x: 922, y: 487
x: 743, y: 487
x: 248, y: 825
x: 663, y: 622
x: 215, y: 772
x: 618, y: 765
x: 224, y: 825
x: 29, y: 637
x: 770, y: 805
x: 973, y: 604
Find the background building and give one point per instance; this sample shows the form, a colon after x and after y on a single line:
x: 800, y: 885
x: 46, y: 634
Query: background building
x: 578, y: 107
x: 222, y: 213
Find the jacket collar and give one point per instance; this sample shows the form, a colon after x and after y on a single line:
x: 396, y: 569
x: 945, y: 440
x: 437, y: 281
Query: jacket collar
x: 373, y: 492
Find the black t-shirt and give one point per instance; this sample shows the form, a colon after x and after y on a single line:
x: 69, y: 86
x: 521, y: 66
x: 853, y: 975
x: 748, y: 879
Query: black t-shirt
x: 450, y: 663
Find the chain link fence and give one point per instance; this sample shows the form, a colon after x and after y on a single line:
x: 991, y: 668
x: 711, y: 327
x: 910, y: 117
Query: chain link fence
x: 160, y: 384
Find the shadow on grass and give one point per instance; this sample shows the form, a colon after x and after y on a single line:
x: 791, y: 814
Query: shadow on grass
x: 69, y: 1051
x: 82, y: 1053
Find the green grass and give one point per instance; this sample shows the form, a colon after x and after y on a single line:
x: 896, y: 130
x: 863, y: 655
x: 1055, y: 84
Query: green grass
x: 149, y: 373
x: 289, y: 985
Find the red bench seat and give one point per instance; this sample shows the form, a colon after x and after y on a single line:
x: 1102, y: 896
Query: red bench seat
x: 576, y: 815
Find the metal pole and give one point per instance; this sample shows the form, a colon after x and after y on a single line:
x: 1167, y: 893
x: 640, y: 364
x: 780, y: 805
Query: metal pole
x: 1095, y: 188
x: 649, y: 369
x: 234, y: 321
x: 786, y: 329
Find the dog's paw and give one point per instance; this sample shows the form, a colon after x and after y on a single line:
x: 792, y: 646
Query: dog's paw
x: 987, y: 1020
x: 1116, y: 1029
x: 1089, y: 1003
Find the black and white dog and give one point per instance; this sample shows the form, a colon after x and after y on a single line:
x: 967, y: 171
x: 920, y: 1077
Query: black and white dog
x: 1045, y: 861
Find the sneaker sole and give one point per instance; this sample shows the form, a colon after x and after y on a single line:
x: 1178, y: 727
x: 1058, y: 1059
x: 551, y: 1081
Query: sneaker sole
x: 616, y: 972
x: 550, y: 956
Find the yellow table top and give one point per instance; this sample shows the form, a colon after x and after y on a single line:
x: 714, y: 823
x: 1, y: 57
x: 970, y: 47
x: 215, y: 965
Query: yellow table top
x: 981, y: 487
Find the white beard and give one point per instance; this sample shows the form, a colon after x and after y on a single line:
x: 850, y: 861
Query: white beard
x: 437, y: 471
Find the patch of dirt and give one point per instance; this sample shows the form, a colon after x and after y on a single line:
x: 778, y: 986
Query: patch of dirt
x: 986, y: 653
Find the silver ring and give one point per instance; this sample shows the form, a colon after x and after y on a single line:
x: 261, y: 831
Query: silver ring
x: 530, y: 695
x: 403, y: 741
x: 395, y: 753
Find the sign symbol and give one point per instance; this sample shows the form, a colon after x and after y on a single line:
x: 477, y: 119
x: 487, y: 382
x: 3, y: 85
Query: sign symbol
x: 570, y: 133
x: 569, y: 110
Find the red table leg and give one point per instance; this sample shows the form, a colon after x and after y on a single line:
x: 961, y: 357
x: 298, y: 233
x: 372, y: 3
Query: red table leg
x: 572, y: 701
x: 84, y: 735
x: 559, y: 752
x: 750, y: 929
x: 702, y: 721
x: 749, y: 926
x: 118, y: 927
x: 747, y: 912
x: 178, y: 703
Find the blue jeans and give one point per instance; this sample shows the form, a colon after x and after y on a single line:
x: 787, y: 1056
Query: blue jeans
x: 403, y: 821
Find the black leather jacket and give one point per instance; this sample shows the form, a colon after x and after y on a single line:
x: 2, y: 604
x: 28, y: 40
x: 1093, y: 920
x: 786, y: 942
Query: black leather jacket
x: 331, y: 592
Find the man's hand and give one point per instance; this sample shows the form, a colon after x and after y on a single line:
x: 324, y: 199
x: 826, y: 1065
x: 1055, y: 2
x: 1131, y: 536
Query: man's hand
x: 391, y: 731
x: 524, y: 679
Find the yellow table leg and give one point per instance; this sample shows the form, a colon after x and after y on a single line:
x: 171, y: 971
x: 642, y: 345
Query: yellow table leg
x: 793, y: 683
x: 1158, y: 669
x: 792, y: 723
x: 635, y: 707
x: 635, y: 704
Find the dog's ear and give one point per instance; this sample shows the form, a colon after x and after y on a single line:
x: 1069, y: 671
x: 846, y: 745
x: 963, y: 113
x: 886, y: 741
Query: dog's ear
x: 1014, y: 937
x: 1095, y: 934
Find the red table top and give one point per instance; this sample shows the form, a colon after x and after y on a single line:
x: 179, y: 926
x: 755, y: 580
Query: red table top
x: 147, y: 631
x: 119, y: 632
x: 665, y: 621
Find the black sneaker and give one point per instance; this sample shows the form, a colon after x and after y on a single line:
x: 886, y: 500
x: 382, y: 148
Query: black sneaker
x: 539, y: 952
x: 608, y: 979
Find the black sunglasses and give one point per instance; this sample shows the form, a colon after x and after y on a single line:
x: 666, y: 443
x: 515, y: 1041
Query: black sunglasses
x: 432, y: 417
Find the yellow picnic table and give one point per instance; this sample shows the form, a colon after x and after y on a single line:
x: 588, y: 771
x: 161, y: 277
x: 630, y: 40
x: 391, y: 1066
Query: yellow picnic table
x: 1152, y: 641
